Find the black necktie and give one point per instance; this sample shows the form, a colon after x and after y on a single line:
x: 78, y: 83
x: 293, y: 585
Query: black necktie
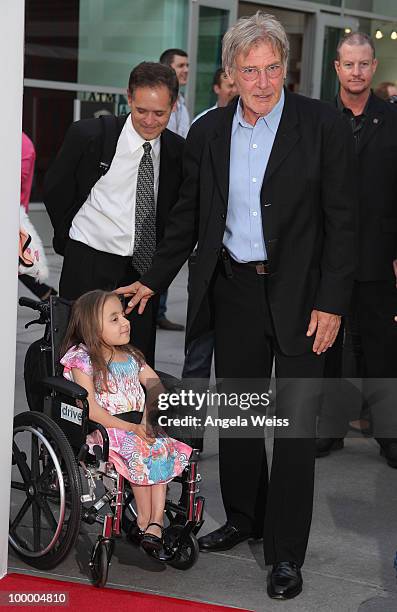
x: 145, y: 213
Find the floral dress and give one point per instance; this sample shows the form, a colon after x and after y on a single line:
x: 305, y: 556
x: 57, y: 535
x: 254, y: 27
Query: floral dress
x: 141, y: 463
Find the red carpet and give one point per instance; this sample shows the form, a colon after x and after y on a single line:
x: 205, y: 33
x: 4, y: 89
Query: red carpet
x: 87, y: 598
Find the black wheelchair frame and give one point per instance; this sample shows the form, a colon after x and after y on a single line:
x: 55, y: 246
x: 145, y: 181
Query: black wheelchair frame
x: 49, y: 453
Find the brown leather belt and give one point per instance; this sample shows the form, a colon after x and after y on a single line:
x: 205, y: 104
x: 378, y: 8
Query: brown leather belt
x: 261, y: 267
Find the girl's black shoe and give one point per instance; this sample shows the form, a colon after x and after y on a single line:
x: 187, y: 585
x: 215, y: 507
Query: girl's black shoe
x: 151, y: 542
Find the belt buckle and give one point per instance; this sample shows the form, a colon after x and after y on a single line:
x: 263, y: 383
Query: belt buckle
x: 261, y: 269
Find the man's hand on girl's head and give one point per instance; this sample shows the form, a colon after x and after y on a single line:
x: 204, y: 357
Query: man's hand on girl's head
x: 139, y: 295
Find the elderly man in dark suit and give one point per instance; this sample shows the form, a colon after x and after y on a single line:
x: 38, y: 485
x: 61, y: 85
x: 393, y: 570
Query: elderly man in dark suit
x: 374, y: 126
x: 109, y: 215
x: 268, y: 195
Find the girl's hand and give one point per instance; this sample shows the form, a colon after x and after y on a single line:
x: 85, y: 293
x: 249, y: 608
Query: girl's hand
x: 144, y: 432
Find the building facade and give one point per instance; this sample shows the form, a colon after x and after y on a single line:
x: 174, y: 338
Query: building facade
x: 79, y: 53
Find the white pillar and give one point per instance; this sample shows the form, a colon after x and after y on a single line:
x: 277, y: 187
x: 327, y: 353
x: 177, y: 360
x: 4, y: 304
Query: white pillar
x: 11, y: 53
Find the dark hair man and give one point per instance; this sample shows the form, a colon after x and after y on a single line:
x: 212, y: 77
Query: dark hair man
x: 268, y: 196
x: 224, y: 88
x: 108, y: 214
x: 178, y: 60
x: 374, y: 125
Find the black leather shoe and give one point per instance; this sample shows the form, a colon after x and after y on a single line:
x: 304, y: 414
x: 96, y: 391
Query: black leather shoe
x: 325, y: 445
x: 223, y: 538
x: 389, y: 452
x: 284, y: 581
x: 164, y: 323
x: 151, y: 542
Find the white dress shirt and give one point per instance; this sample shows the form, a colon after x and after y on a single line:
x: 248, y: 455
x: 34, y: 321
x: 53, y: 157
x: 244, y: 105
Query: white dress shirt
x: 179, y: 122
x: 106, y: 221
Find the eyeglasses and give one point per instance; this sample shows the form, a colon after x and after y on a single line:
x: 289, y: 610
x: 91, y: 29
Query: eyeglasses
x: 251, y: 74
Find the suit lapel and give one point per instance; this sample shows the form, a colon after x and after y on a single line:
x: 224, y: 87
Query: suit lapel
x: 374, y: 120
x: 166, y: 160
x: 220, y: 152
x: 286, y: 138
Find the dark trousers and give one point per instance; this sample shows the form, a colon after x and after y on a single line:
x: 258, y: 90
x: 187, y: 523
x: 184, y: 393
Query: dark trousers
x: 85, y: 269
x: 198, y: 358
x: 374, y: 305
x: 279, y: 507
x: 198, y: 354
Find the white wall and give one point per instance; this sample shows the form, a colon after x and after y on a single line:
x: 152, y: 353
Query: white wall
x: 11, y: 53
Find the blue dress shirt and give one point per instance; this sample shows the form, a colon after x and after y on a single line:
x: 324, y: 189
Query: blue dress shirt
x: 250, y: 150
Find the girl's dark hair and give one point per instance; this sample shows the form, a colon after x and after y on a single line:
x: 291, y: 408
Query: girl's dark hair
x: 85, y: 326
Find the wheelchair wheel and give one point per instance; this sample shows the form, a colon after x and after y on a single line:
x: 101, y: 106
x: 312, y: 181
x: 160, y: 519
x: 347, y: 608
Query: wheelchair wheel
x: 100, y: 561
x: 185, y: 556
x: 46, y: 492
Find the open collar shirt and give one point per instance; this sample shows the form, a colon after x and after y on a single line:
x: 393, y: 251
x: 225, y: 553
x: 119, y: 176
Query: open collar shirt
x: 250, y: 150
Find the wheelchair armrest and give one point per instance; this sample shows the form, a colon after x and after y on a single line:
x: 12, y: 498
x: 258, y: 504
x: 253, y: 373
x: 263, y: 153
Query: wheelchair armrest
x: 66, y: 387
x: 92, y: 426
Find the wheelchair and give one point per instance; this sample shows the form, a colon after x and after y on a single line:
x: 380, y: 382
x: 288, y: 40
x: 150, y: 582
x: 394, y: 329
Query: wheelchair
x: 50, y: 456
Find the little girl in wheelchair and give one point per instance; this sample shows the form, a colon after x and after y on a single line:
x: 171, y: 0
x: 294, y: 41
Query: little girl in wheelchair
x: 99, y: 357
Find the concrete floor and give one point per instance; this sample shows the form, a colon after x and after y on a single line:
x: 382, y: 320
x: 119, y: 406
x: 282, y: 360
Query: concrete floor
x: 349, y: 565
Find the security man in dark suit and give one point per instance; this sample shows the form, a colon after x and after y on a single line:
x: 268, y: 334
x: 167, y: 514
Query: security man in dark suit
x: 107, y: 224
x: 268, y: 194
x: 374, y: 303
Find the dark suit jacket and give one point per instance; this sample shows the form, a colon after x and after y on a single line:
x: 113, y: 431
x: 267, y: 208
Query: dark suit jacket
x: 377, y: 192
x: 307, y: 197
x: 76, y: 169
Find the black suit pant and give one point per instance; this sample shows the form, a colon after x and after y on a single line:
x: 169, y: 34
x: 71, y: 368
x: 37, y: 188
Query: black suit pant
x: 279, y: 506
x: 85, y: 269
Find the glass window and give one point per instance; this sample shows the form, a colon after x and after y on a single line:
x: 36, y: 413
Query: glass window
x: 213, y: 24
x: 115, y: 35
x: 98, y: 42
x: 51, y: 39
x: 329, y: 81
x: 386, y: 49
x: 387, y: 8
x: 47, y: 114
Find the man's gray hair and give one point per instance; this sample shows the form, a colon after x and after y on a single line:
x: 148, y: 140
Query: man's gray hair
x: 353, y: 39
x: 247, y: 32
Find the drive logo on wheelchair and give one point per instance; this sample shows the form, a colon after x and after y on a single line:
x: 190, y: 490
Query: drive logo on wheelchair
x: 71, y: 413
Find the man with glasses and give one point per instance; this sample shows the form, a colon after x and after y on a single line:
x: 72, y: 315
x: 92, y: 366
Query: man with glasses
x: 374, y: 303
x: 268, y: 196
